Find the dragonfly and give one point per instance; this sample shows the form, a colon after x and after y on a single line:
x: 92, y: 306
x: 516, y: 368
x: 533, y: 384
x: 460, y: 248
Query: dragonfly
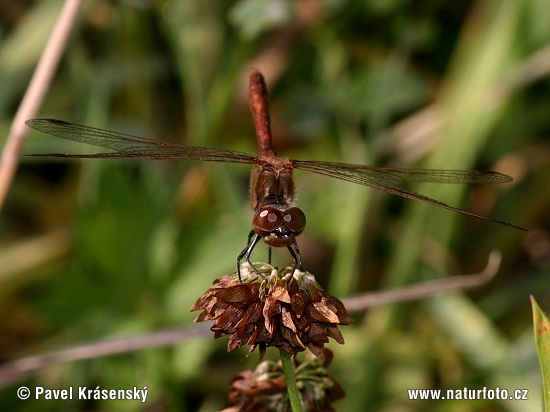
x: 277, y: 220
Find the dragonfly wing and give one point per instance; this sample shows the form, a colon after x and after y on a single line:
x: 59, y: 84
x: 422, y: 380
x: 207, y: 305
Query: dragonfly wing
x: 396, y: 176
x: 126, y: 146
x: 389, y: 179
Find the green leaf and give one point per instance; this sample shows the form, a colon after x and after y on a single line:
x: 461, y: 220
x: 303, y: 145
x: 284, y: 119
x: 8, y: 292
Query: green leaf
x: 542, y: 338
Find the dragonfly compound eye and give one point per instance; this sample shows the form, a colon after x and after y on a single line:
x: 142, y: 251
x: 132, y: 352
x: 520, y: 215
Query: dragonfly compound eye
x: 295, y: 220
x: 266, y: 220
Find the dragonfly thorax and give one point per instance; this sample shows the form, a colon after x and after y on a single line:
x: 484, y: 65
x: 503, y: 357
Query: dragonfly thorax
x: 272, y: 184
x: 276, y: 220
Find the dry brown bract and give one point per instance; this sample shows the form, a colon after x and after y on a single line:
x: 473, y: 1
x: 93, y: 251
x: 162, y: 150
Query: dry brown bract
x: 290, y: 313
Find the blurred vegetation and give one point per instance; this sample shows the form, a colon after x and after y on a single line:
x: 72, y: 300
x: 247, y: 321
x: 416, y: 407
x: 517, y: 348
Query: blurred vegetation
x: 93, y: 249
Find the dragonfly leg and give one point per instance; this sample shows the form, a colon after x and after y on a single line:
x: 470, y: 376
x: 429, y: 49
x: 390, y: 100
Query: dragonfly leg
x: 247, y: 251
x: 250, y: 235
x: 295, y: 253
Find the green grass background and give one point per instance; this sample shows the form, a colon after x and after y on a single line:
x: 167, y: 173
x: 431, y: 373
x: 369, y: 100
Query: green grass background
x: 437, y: 84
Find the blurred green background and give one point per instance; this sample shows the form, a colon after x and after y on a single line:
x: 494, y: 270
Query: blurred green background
x: 95, y: 249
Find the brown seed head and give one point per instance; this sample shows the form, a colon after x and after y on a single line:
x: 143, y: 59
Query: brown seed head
x: 264, y: 389
x: 290, y: 312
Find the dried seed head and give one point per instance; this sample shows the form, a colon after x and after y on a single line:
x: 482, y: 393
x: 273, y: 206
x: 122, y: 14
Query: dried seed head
x: 288, y: 311
x: 264, y: 389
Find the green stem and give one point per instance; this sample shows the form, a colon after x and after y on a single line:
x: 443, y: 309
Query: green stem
x: 293, y: 393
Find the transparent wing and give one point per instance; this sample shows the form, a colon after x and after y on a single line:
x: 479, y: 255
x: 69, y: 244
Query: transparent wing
x: 389, y: 179
x: 126, y: 146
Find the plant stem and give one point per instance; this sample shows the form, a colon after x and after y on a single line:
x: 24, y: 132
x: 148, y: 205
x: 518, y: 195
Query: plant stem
x: 293, y: 393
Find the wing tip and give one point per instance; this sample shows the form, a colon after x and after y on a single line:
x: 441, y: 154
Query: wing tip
x: 505, y: 223
x: 36, y: 122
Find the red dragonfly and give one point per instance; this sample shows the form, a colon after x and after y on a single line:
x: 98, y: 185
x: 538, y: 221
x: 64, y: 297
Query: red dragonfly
x: 276, y: 219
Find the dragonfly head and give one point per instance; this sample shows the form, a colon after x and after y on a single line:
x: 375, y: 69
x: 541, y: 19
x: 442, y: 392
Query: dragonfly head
x: 279, y: 227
